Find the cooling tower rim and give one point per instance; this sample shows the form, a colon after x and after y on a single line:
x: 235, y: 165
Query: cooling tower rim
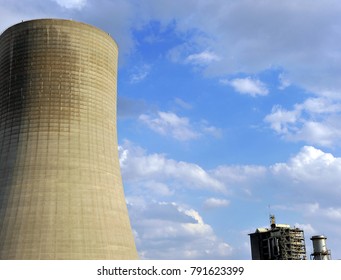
x: 315, y: 237
x: 54, y: 20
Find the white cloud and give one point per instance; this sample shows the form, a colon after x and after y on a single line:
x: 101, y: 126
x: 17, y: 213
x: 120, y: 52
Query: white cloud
x: 208, y: 129
x: 320, y: 106
x: 312, y: 173
x: 71, y: 4
x: 247, y: 86
x: 309, y: 159
x: 241, y: 36
x: 179, y: 128
x: 320, y: 133
x: 281, y: 119
x: 140, y: 73
x: 203, y: 58
x: 162, y: 176
x: 169, y: 231
x: 315, y: 121
x: 308, y: 184
x: 225, y: 38
x: 137, y: 166
x: 169, y: 123
x: 216, y: 202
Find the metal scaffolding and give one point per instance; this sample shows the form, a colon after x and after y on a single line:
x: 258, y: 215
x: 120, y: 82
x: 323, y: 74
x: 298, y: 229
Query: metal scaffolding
x: 280, y: 242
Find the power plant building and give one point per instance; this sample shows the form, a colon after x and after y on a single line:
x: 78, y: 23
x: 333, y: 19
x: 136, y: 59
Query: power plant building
x: 61, y: 193
x: 279, y: 242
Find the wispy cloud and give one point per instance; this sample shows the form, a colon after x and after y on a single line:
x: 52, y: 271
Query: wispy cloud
x: 183, y: 104
x: 72, y: 4
x: 284, y: 82
x: 140, y: 73
x: 179, y: 128
x: 202, y: 58
x: 209, y: 129
x: 168, y: 123
x: 235, y: 41
x: 216, y: 202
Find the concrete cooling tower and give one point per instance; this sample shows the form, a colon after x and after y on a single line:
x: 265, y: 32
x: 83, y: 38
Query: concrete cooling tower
x: 61, y: 193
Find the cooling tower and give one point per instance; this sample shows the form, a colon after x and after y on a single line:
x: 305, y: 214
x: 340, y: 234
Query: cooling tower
x: 61, y: 193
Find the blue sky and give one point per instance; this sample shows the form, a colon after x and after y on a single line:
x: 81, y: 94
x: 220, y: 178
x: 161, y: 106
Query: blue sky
x: 227, y: 111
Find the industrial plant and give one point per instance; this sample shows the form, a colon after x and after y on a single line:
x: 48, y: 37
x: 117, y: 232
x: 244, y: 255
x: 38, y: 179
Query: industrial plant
x: 282, y: 242
x: 61, y: 193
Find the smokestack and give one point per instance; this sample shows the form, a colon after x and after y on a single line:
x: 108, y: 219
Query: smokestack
x: 320, y: 248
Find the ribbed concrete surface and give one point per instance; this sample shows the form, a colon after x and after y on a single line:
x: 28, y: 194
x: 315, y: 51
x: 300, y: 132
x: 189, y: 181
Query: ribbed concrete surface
x: 61, y: 194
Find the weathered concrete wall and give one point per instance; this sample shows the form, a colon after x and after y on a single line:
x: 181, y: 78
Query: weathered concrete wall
x: 61, y: 194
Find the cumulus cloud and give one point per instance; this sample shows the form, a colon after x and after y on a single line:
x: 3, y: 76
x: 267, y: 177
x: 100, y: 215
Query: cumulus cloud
x: 281, y: 120
x: 315, y: 121
x: 325, y: 134
x: 311, y: 172
x: 249, y: 86
x: 166, y: 230
x: 162, y: 175
x: 137, y: 165
x: 307, y: 184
